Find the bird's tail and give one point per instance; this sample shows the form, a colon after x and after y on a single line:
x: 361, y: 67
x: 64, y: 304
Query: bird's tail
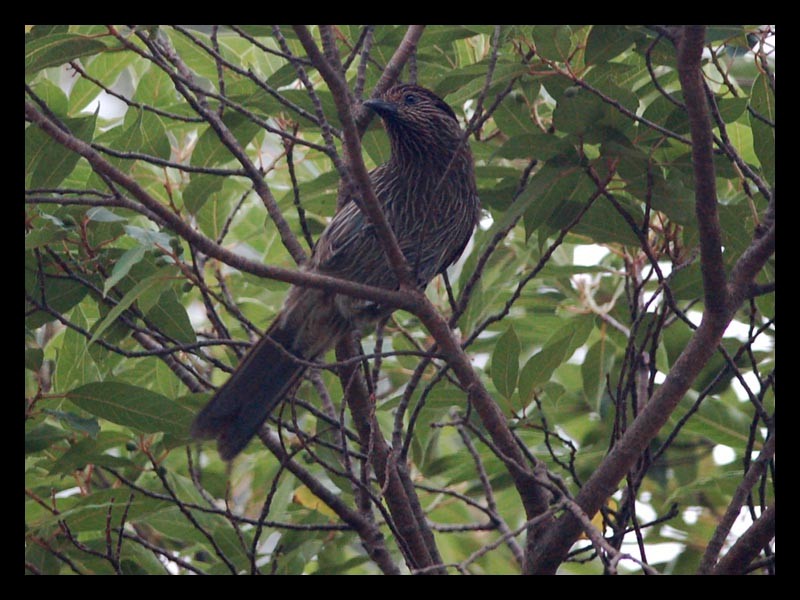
x: 243, y: 403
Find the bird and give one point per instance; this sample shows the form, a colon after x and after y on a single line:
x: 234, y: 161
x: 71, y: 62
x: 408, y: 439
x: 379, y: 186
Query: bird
x: 428, y: 194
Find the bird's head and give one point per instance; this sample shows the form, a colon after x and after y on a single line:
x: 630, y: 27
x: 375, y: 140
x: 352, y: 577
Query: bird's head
x: 412, y: 103
x: 415, y: 116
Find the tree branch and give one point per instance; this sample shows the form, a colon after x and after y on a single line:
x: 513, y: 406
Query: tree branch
x: 690, y: 50
x: 417, y: 539
x: 721, y: 304
x: 748, y: 546
x: 757, y: 468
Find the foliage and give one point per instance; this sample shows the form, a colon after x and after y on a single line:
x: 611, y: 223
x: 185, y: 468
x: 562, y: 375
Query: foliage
x: 186, y: 172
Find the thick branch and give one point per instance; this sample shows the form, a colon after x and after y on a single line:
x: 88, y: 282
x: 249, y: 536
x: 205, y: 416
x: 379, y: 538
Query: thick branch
x: 690, y: 50
x: 409, y: 519
x: 747, y: 547
x: 534, y: 497
x: 721, y: 303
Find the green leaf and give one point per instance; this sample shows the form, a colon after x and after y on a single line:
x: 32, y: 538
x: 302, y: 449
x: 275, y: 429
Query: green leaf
x: 47, y: 162
x: 519, y: 146
x: 169, y: 316
x: 505, y: 363
x: 200, y: 189
x: 39, y: 31
x: 283, y: 76
x: 513, y: 117
x: 123, y: 266
x: 577, y: 111
x: 143, y: 133
x: 157, y: 279
x: 148, y: 237
x: 732, y: 34
x: 43, y: 560
x: 42, y: 436
x: 720, y: 422
x: 540, y: 367
x: 444, y: 34
x: 558, y: 348
x: 57, y: 49
x: 156, y: 88
x: 211, y: 152
x: 553, y: 187
x: 553, y: 41
x: 197, y: 59
x: 602, y: 222
x: 103, y: 215
x: 52, y: 95
x: 598, y: 361
x: 542, y: 147
x: 731, y: 109
x: 133, y: 406
x: 74, y: 365
x: 664, y: 112
x: 532, y: 193
x: 90, y: 451
x: 606, y: 42
x: 34, y: 358
x: 503, y: 73
x: 75, y: 422
x: 48, y: 233
x: 762, y: 101
x: 105, y: 68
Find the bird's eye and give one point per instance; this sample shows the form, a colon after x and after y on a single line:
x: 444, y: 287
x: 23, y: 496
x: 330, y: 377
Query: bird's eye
x: 410, y: 99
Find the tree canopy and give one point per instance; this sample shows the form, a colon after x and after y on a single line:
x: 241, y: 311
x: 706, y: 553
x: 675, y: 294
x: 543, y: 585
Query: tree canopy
x: 589, y: 389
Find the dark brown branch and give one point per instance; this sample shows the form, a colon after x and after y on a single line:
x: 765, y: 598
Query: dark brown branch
x: 757, y: 468
x: 722, y: 300
x: 690, y: 49
x: 748, y: 546
x: 415, y: 536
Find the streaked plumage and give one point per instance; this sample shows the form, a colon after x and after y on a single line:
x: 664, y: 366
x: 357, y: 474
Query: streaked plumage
x: 431, y: 205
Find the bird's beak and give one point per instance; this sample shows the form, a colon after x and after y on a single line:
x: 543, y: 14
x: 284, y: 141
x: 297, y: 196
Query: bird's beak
x: 383, y: 108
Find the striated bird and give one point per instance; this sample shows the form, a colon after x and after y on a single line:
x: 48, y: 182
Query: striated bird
x: 427, y: 192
